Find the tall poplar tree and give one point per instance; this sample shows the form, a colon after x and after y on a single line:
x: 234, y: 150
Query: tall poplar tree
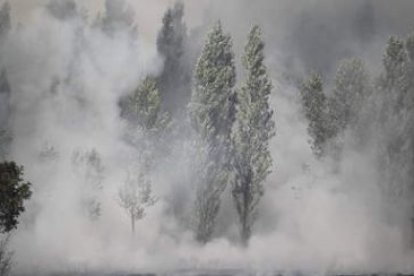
x: 252, y: 131
x: 212, y: 114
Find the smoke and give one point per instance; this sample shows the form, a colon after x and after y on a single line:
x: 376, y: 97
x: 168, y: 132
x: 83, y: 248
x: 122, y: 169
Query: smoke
x: 66, y: 83
x: 320, y: 216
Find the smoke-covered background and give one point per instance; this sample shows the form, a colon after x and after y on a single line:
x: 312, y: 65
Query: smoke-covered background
x: 66, y: 70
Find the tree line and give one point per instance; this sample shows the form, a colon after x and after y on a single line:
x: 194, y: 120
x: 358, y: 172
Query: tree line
x: 229, y: 120
x: 230, y: 126
x: 369, y: 111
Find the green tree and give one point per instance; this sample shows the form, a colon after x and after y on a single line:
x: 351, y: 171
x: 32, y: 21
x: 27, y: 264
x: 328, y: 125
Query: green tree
x: 394, y: 61
x: 142, y: 108
x: 315, y: 108
x: 393, y: 82
x: 345, y: 108
x: 13, y: 192
x: 396, y: 123
x: 212, y: 114
x: 395, y: 117
x: 351, y: 90
x: 252, y: 131
x: 148, y: 124
x: 175, y: 78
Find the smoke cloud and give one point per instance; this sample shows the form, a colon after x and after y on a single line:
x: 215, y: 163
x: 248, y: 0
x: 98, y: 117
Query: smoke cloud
x: 67, y: 78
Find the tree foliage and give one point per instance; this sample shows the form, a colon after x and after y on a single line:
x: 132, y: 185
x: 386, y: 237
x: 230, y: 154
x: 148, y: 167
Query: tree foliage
x: 13, y: 192
x: 315, y: 107
x: 251, y: 134
x: 142, y: 108
x: 212, y: 115
x: 148, y: 126
x: 394, y: 62
x: 174, y: 80
x: 329, y: 115
x: 350, y: 92
x: 396, y: 118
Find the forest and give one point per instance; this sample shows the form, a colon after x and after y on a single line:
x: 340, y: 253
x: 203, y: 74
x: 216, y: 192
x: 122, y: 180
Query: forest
x: 231, y: 147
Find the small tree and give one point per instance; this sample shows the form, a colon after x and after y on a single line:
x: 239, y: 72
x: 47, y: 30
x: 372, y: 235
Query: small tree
x: 135, y: 196
x: 251, y: 134
x: 142, y: 108
x: 148, y: 124
x: 212, y: 114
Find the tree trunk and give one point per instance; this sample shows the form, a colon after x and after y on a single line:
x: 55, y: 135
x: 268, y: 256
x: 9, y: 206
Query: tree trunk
x: 245, y: 234
x: 245, y: 226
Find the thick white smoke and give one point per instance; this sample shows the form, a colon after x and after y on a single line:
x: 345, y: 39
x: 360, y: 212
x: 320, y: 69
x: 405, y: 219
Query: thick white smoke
x: 66, y: 81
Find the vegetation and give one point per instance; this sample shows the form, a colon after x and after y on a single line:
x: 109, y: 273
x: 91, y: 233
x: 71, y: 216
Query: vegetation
x: 13, y: 192
x: 174, y: 82
x: 231, y: 119
x: 252, y: 131
x: 212, y: 109
x: 135, y: 196
x: 314, y: 103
